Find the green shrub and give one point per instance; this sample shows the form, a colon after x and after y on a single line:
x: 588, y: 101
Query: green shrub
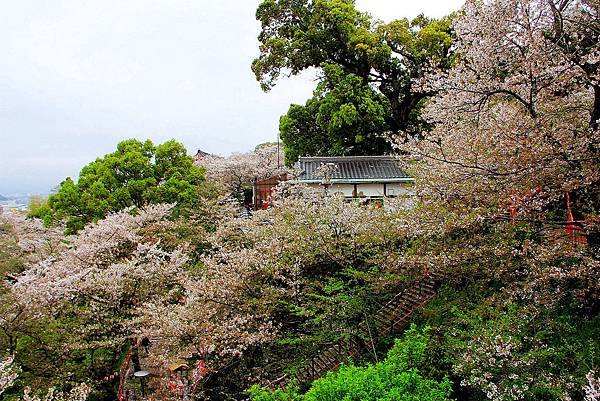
x: 395, y: 378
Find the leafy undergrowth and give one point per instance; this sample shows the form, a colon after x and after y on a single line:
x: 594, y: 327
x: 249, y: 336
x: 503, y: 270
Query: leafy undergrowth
x: 395, y: 378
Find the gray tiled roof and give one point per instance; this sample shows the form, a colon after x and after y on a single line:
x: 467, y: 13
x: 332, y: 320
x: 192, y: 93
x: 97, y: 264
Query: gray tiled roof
x: 352, y: 168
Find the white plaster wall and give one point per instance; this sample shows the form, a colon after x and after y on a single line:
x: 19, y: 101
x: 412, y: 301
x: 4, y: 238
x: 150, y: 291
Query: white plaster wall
x: 400, y: 188
x: 370, y: 190
x: 346, y: 189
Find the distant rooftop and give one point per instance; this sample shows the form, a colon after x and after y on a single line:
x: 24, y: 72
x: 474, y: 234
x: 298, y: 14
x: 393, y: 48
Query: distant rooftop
x: 200, y: 155
x: 352, y: 169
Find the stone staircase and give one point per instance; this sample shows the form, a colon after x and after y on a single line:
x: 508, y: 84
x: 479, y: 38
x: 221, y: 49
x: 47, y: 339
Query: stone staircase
x: 392, y: 316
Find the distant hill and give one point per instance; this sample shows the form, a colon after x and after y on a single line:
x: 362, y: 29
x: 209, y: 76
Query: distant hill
x: 3, y: 198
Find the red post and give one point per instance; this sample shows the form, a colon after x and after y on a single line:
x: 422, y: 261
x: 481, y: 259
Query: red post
x: 573, y: 230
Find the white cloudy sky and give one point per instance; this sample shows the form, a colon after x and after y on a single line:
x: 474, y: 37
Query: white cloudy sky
x: 77, y: 76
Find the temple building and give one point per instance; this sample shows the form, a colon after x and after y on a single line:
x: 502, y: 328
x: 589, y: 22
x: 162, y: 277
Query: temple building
x: 367, y: 177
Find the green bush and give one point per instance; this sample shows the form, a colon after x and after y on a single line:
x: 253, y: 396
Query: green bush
x: 395, y: 378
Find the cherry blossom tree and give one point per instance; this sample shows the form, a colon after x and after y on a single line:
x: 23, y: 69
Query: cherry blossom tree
x: 238, y: 170
x: 23, y: 242
x: 592, y: 390
x: 108, y: 270
x: 297, y: 253
x: 77, y: 393
x: 35, y: 241
x: 517, y: 118
x: 8, y: 373
x: 515, y: 128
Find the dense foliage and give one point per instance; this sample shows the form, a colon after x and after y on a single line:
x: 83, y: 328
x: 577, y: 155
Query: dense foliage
x: 136, y: 174
x: 395, y: 378
x: 514, y: 154
x: 345, y: 117
x: 505, y: 218
x: 366, y: 69
x: 300, y: 274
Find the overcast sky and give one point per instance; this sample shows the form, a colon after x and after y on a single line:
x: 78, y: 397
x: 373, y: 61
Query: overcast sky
x: 78, y: 76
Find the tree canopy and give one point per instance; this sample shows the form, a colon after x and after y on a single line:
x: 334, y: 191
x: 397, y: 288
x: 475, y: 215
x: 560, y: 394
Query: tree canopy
x: 344, y: 117
x: 136, y: 174
x: 367, y: 72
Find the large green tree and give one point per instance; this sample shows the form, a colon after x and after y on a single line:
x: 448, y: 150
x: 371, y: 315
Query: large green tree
x: 345, y: 117
x: 367, y: 70
x: 136, y: 174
